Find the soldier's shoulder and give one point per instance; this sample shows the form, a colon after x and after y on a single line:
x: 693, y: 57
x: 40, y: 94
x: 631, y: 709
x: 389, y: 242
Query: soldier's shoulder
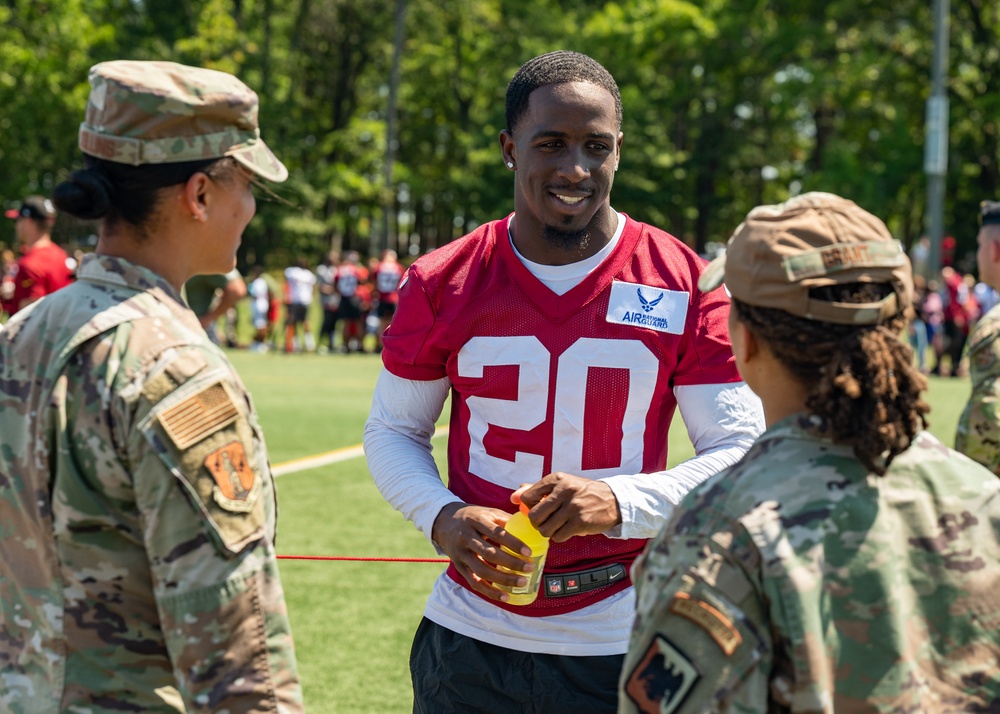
x: 929, y: 465
x: 986, y: 330
x: 71, y: 305
x: 155, y: 349
x: 992, y: 316
x: 157, y: 335
x: 785, y: 472
x: 730, y: 494
x: 765, y: 467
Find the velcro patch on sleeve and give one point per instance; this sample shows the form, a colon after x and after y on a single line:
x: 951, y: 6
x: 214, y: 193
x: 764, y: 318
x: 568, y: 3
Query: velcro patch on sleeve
x: 717, y: 625
x: 198, y: 416
x: 184, y: 366
x: 662, y: 679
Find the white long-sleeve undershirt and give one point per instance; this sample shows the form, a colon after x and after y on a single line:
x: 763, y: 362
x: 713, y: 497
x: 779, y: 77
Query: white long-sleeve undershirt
x: 722, y: 421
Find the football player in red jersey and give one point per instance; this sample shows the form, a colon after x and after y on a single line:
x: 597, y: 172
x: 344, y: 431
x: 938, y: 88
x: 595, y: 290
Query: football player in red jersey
x: 42, y: 268
x: 350, y: 278
x: 387, y: 276
x: 567, y: 334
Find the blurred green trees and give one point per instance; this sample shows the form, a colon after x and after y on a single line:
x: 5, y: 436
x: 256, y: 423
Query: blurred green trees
x: 728, y: 103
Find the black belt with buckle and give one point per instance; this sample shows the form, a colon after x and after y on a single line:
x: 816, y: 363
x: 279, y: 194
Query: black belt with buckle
x: 564, y: 584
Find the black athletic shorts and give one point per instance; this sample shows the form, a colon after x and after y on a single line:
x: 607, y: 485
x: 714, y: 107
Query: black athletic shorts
x: 385, y: 309
x: 453, y: 673
x: 296, y: 314
x: 350, y: 308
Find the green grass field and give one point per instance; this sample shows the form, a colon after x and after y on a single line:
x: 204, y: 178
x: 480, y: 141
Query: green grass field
x: 353, y: 621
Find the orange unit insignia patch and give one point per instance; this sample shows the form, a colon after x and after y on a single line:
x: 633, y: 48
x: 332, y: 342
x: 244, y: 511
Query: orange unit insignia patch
x: 236, y: 483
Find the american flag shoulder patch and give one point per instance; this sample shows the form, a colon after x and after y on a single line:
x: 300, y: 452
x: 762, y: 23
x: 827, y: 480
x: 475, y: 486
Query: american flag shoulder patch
x: 201, y: 414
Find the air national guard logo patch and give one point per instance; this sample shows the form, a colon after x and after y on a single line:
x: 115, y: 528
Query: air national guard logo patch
x: 661, y: 679
x: 647, y: 306
x: 236, y: 484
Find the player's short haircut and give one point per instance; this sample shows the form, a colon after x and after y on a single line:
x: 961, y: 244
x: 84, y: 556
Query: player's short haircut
x: 556, y: 68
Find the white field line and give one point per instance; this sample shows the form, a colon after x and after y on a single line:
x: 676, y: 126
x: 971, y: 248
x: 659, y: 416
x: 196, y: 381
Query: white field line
x: 330, y: 457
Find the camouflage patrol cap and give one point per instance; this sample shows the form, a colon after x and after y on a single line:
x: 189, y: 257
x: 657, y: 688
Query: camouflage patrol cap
x: 779, y: 253
x: 163, y: 112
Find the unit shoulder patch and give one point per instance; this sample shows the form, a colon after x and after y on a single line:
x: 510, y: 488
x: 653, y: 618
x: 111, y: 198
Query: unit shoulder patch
x: 236, y: 485
x: 662, y: 679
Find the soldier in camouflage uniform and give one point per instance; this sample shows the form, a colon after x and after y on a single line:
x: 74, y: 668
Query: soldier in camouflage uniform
x: 137, y: 506
x: 850, y: 561
x: 978, y: 435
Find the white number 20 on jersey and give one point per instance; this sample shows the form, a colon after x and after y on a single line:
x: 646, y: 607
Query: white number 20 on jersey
x: 529, y: 409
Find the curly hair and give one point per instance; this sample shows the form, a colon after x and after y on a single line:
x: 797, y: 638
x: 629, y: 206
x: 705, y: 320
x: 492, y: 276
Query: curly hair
x: 860, y: 378
x: 556, y: 68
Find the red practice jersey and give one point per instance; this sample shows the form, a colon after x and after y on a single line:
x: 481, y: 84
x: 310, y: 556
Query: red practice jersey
x: 348, y: 278
x: 387, y: 277
x: 580, y: 383
x: 39, y: 272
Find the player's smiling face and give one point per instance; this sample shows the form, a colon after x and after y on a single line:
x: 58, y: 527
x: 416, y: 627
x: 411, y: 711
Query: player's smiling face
x: 565, y: 149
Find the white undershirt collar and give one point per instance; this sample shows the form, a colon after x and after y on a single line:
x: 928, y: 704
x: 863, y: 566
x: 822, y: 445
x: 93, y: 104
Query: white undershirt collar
x: 560, y: 279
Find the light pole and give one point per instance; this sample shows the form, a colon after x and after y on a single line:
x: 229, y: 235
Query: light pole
x: 389, y: 201
x: 936, y: 140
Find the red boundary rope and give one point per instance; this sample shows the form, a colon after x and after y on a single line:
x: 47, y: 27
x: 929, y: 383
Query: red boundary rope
x: 347, y: 557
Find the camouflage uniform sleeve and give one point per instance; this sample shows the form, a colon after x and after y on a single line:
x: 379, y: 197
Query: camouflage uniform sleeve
x: 978, y: 433
x: 207, y: 503
x: 696, y: 645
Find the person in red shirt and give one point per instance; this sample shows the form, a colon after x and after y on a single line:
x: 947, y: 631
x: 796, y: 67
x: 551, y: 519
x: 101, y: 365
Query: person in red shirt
x: 566, y: 336
x: 956, y: 320
x: 351, y: 277
x: 42, y: 267
x: 388, y: 273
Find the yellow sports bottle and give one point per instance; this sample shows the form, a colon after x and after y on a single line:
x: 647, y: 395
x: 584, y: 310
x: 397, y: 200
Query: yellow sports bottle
x: 520, y: 527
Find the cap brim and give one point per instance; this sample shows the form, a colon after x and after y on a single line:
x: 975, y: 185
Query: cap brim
x: 262, y: 161
x: 12, y: 213
x: 713, y: 275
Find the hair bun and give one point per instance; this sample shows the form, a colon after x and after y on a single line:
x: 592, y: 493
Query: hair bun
x: 87, y: 193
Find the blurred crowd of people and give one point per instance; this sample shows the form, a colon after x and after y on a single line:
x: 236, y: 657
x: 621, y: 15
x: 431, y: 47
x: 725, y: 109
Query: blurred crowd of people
x: 945, y: 313
x: 358, y: 298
